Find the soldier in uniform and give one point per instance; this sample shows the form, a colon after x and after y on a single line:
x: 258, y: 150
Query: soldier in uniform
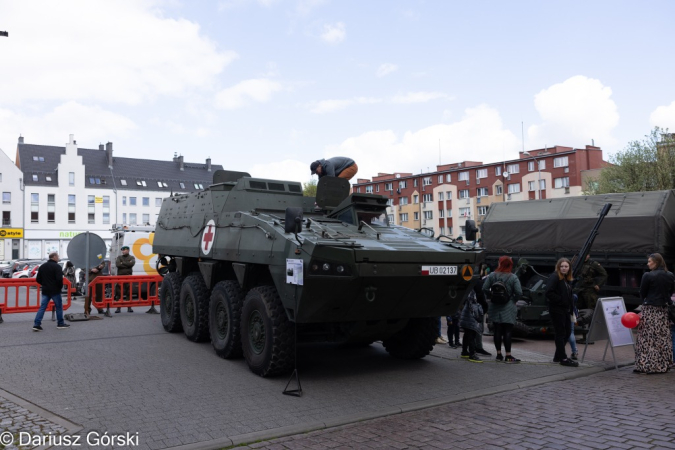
x: 587, y: 287
x: 94, y: 273
x: 124, y: 263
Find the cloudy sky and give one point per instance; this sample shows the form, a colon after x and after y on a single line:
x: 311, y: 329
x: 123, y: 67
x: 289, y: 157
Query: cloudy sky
x: 268, y: 86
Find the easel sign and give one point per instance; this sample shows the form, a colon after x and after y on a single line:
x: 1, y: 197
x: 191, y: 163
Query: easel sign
x: 606, y: 325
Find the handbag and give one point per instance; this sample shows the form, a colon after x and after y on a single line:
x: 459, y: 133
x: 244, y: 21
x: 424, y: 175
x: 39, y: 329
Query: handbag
x: 671, y: 311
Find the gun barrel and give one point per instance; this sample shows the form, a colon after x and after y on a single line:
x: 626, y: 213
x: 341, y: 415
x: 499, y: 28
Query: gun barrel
x: 579, y: 258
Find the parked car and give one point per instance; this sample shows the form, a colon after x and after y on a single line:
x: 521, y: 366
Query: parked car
x: 28, y: 270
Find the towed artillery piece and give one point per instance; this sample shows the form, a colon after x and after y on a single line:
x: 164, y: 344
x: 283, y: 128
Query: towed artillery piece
x: 256, y: 267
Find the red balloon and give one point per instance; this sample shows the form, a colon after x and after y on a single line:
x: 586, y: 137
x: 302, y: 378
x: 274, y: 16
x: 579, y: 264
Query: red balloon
x: 630, y: 320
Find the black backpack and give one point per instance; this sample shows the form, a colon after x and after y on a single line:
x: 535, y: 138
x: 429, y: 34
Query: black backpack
x: 499, y: 295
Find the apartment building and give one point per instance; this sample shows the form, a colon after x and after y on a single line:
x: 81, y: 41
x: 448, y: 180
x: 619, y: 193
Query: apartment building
x: 69, y: 190
x: 444, y: 200
x: 11, y: 230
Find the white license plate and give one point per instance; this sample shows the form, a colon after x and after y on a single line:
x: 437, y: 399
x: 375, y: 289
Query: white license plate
x: 439, y: 270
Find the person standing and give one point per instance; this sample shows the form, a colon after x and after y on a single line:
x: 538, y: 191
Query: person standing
x: 654, y: 346
x: 338, y: 166
x: 94, y: 273
x: 69, y: 274
x: 50, y: 279
x: 503, y: 316
x: 472, y: 314
x: 124, y: 263
x: 592, y: 276
x: 561, y: 308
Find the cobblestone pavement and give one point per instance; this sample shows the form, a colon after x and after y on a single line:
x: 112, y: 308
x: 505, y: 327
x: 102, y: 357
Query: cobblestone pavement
x: 608, y: 410
x: 125, y: 374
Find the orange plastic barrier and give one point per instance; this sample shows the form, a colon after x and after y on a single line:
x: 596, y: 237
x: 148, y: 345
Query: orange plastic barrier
x: 14, y: 300
x: 143, y: 289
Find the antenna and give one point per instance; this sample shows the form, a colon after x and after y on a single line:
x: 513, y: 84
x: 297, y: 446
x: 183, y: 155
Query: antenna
x: 522, y: 134
x: 439, y: 151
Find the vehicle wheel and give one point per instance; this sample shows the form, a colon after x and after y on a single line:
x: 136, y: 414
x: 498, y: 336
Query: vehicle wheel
x: 267, y: 336
x: 227, y: 299
x: 415, y: 341
x: 194, y: 308
x: 168, y: 302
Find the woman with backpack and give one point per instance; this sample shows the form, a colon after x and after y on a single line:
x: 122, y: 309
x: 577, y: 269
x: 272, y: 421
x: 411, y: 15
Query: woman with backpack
x: 503, y: 289
x: 561, y: 308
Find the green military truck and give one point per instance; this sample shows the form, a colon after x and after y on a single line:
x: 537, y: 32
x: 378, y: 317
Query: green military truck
x: 537, y: 233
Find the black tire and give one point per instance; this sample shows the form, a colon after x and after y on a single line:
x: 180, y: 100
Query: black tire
x: 225, y: 306
x: 267, y: 336
x: 415, y: 341
x: 194, y: 308
x: 169, y: 300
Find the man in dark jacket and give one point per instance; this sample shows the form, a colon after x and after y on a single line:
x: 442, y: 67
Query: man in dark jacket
x: 124, y: 263
x: 338, y: 166
x: 50, y: 278
x: 593, y: 275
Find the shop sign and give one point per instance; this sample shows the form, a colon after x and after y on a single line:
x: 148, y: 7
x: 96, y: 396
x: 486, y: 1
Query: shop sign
x: 11, y: 233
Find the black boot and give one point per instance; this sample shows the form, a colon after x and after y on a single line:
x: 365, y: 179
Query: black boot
x: 130, y: 310
x: 118, y: 310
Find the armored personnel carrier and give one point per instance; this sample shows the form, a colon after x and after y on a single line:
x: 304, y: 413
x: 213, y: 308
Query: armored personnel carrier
x: 256, y: 267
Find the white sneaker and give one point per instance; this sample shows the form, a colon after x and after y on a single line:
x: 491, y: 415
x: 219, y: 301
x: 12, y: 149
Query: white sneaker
x: 440, y: 340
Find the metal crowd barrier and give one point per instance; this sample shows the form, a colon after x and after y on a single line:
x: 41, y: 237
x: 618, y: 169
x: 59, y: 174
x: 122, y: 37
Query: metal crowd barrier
x: 14, y: 301
x: 122, y: 291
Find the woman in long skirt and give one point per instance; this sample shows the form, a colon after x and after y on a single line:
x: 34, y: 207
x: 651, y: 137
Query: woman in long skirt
x: 654, y: 348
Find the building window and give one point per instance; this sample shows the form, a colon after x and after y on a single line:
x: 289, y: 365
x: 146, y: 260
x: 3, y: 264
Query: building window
x: 132, y: 219
x: 94, y: 180
x: 124, y: 200
x: 390, y: 202
x: 514, y: 188
x: 132, y: 201
x: 561, y: 182
x: 465, y: 212
x: 440, y: 179
x: 440, y: 213
x: 377, y: 189
x: 403, y: 200
x: 91, y: 209
x: 6, y: 197
x: 35, y: 177
x: 482, y: 192
x: 182, y: 185
x: 369, y: 189
x: 71, y: 178
x: 440, y: 196
x: 146, y: 219
x: 51, y: 208
x: 146, y: 201
x: 481, y: 173
x: 391, y: 218
x: 448, y: 178
x: 158, y: 202
x: 542, y: 185
x: 416, y: 199
x: 403, y: 184
x: 464, y: 193
x: 482, y: 210
x: 499, y: 190
x: 463, y: 176
x: 159, y: 184
x: 415, y: 182
x: 106, y: 209
x: 428, y: 198
x: 123, y: 182
x: 560, y: 161
x: 34, y: 208
x: 124, y: 217
x: 530, y: 185
x: 449, y: 215
x: 403, y: 217
x: 6, y: 218
x: 513, y: 168
x: 48, y: 178
x: 71, y: 209
x: 542, y: 164
x: 199, y: 186
x: 426, y: 181
x: 428, y: 215
x: 416, y: 215
x: 530, y: 166
x: 449, y: 231
x: 39, y: 158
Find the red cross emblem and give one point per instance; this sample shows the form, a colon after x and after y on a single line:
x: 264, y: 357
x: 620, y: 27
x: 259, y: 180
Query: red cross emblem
x: 208, y: 237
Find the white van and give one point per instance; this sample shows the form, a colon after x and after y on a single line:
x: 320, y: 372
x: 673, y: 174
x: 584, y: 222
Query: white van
x: 139, y: 239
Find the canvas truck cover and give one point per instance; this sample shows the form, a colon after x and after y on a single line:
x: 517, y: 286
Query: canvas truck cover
x: 639, y: 223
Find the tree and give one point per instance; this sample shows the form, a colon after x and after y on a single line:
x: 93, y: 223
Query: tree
x: 647, y: 165
x: 309, y: 188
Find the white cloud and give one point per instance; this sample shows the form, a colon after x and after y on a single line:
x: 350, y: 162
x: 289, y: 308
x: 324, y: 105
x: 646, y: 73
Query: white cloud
x: 386, y: 69
x: 89, y: 124
x: 479, y: 132
x: 664, y: 117
x: 118, y: 52
x: 288, y: 169
x: 418, y: 97
x: 258, y: 90
x: 328, y: 106
x: 334, y: 34
x: 574, y: 112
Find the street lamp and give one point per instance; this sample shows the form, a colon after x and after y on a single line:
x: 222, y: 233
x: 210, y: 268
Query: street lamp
x: 538, y: 170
